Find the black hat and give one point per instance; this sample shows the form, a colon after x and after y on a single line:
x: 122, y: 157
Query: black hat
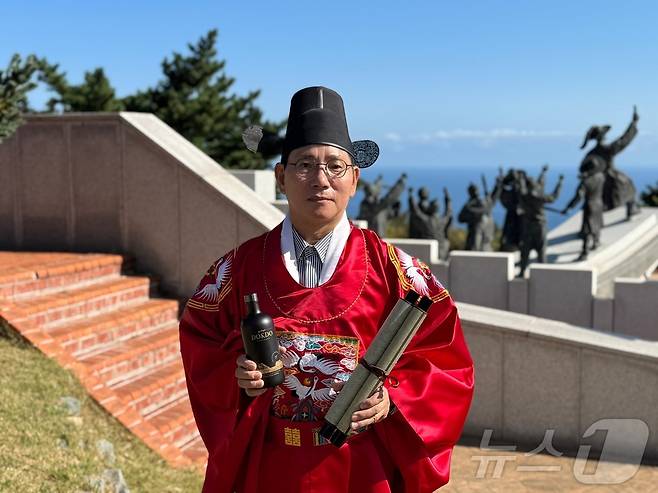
x: 317, y: 116
x: 594, y: 133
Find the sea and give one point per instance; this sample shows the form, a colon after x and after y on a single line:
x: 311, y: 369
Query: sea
x: 456, y: 180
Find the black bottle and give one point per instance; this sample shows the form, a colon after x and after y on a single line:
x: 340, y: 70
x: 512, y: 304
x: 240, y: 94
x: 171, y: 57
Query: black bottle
x: 260, y: 342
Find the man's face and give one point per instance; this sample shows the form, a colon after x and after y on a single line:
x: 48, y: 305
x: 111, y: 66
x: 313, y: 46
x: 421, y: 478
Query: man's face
x: 317, y: 200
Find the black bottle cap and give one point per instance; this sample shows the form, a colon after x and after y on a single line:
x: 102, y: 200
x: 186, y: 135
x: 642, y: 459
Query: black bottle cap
x: 250, y: 297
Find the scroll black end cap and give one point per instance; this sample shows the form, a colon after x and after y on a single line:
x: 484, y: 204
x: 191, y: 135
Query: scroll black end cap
x: 327, y: 431
x: 411, y: 297
x: 338, y: 438
x: 425, y: 303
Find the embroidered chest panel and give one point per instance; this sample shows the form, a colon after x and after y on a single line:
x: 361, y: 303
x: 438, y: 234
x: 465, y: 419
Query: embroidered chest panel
x: 313, y: 363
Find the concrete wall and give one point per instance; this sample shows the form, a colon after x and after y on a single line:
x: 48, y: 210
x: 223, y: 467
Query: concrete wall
x: 124, y: 183
x: 493, y: 272
x: 562, y: 293
x: 533, y: 375
x: 261, y: 181
x: 636, y: 308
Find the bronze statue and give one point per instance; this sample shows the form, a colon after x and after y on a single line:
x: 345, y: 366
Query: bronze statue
x: 429, y: 223
x: 377, y: 210
x: 531, y: 213
x: 618, y: 188
x: 509, y: 198
x: 590, y: 189
x: 417, y: 227
x: 476, y: 213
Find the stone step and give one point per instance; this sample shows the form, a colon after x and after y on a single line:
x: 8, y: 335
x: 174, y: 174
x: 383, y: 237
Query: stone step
x: 175, y: 422
x: 195, y: 450
x: 94, y: 333
x: 122, y: 344
x: 158, y: 387
x: 132, y: 358
x: 68, y: 305
x: 25, y: 274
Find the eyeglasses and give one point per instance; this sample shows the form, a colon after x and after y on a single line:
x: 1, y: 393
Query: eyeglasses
x: 334, y: 168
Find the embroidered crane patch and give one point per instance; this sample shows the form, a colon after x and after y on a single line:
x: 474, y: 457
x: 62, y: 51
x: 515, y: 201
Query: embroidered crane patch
x: 313, y: 364
x: 214, y: 286
x: 415, y: 274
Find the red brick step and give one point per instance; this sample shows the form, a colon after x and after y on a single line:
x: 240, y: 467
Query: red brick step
x: 128, y: 359
x: 81, y: 310
x: 93, y: 333
x: 176, y: 422
x: 64, y: 305
x: 195, y: 450
x: 157, y: 388
x: 25, y: 274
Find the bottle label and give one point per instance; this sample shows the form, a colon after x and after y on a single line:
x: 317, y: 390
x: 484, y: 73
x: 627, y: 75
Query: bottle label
x: 266, y: 370
x: 262, y: 335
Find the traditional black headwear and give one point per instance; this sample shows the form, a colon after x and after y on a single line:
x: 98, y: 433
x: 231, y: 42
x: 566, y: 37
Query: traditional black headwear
x: 595, y: 132
x: 317, y: 116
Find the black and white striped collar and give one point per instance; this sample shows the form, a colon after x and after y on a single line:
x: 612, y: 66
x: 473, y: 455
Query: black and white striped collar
x: 335, y: 248
x: 321, y: 246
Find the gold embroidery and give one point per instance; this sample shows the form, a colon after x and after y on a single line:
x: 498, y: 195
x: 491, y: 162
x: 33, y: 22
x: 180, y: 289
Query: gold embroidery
x: 404, y: 282
x: 214, y: 307
x: 292, y: 436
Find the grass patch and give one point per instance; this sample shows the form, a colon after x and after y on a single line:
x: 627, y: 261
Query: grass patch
x: 42, y: 449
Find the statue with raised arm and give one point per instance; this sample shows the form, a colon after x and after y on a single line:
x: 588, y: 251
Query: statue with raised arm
x: 533, y: 218
x: 590, y: 189
x: 376, y: 210
x: 618, y: 188
x: 476, y: 213
x: 430, y: 223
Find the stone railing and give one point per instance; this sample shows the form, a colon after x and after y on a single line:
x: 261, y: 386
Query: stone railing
x: 124, y: 182
x: 534, y: 375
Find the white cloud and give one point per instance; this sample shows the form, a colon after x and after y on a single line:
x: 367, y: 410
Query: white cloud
x: 487, y: 136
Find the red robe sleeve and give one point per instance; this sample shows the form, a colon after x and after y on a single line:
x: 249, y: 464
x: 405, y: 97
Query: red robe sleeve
x: 435, y: 389
x: 210, y: 345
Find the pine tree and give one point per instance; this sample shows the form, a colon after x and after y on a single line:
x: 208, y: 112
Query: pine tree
x: 15, y: 83
x: 194, y: 99
x: 650, y: 196
x: 94, y: 94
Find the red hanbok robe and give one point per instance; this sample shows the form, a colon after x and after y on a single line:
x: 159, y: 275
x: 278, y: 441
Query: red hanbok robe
x: 261, y: 444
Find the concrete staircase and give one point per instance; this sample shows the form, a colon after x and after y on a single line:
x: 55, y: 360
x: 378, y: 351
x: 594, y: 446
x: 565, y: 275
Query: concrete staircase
x: 122, y: 343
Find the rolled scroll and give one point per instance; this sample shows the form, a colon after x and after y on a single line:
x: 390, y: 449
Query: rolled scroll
x: 384, y: 352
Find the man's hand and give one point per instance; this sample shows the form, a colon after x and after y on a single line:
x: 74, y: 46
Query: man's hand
x: 373, y: 409
x: 249, y: 378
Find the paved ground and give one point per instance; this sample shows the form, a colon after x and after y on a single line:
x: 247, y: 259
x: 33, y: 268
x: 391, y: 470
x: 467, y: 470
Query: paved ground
x: 512, y: 477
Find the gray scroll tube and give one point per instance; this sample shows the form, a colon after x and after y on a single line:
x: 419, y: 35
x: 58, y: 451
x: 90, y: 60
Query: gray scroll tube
x: 384, y: 352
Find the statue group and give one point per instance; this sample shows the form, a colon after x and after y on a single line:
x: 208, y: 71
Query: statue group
x: 601, y: 186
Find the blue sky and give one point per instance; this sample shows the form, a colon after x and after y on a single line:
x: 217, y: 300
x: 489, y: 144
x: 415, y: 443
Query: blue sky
x: 471, y: 83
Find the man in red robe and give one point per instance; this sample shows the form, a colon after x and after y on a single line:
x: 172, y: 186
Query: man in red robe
x: 329, y: 286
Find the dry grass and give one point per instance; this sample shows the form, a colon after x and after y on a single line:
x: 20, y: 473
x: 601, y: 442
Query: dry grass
x: 42, y: 449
